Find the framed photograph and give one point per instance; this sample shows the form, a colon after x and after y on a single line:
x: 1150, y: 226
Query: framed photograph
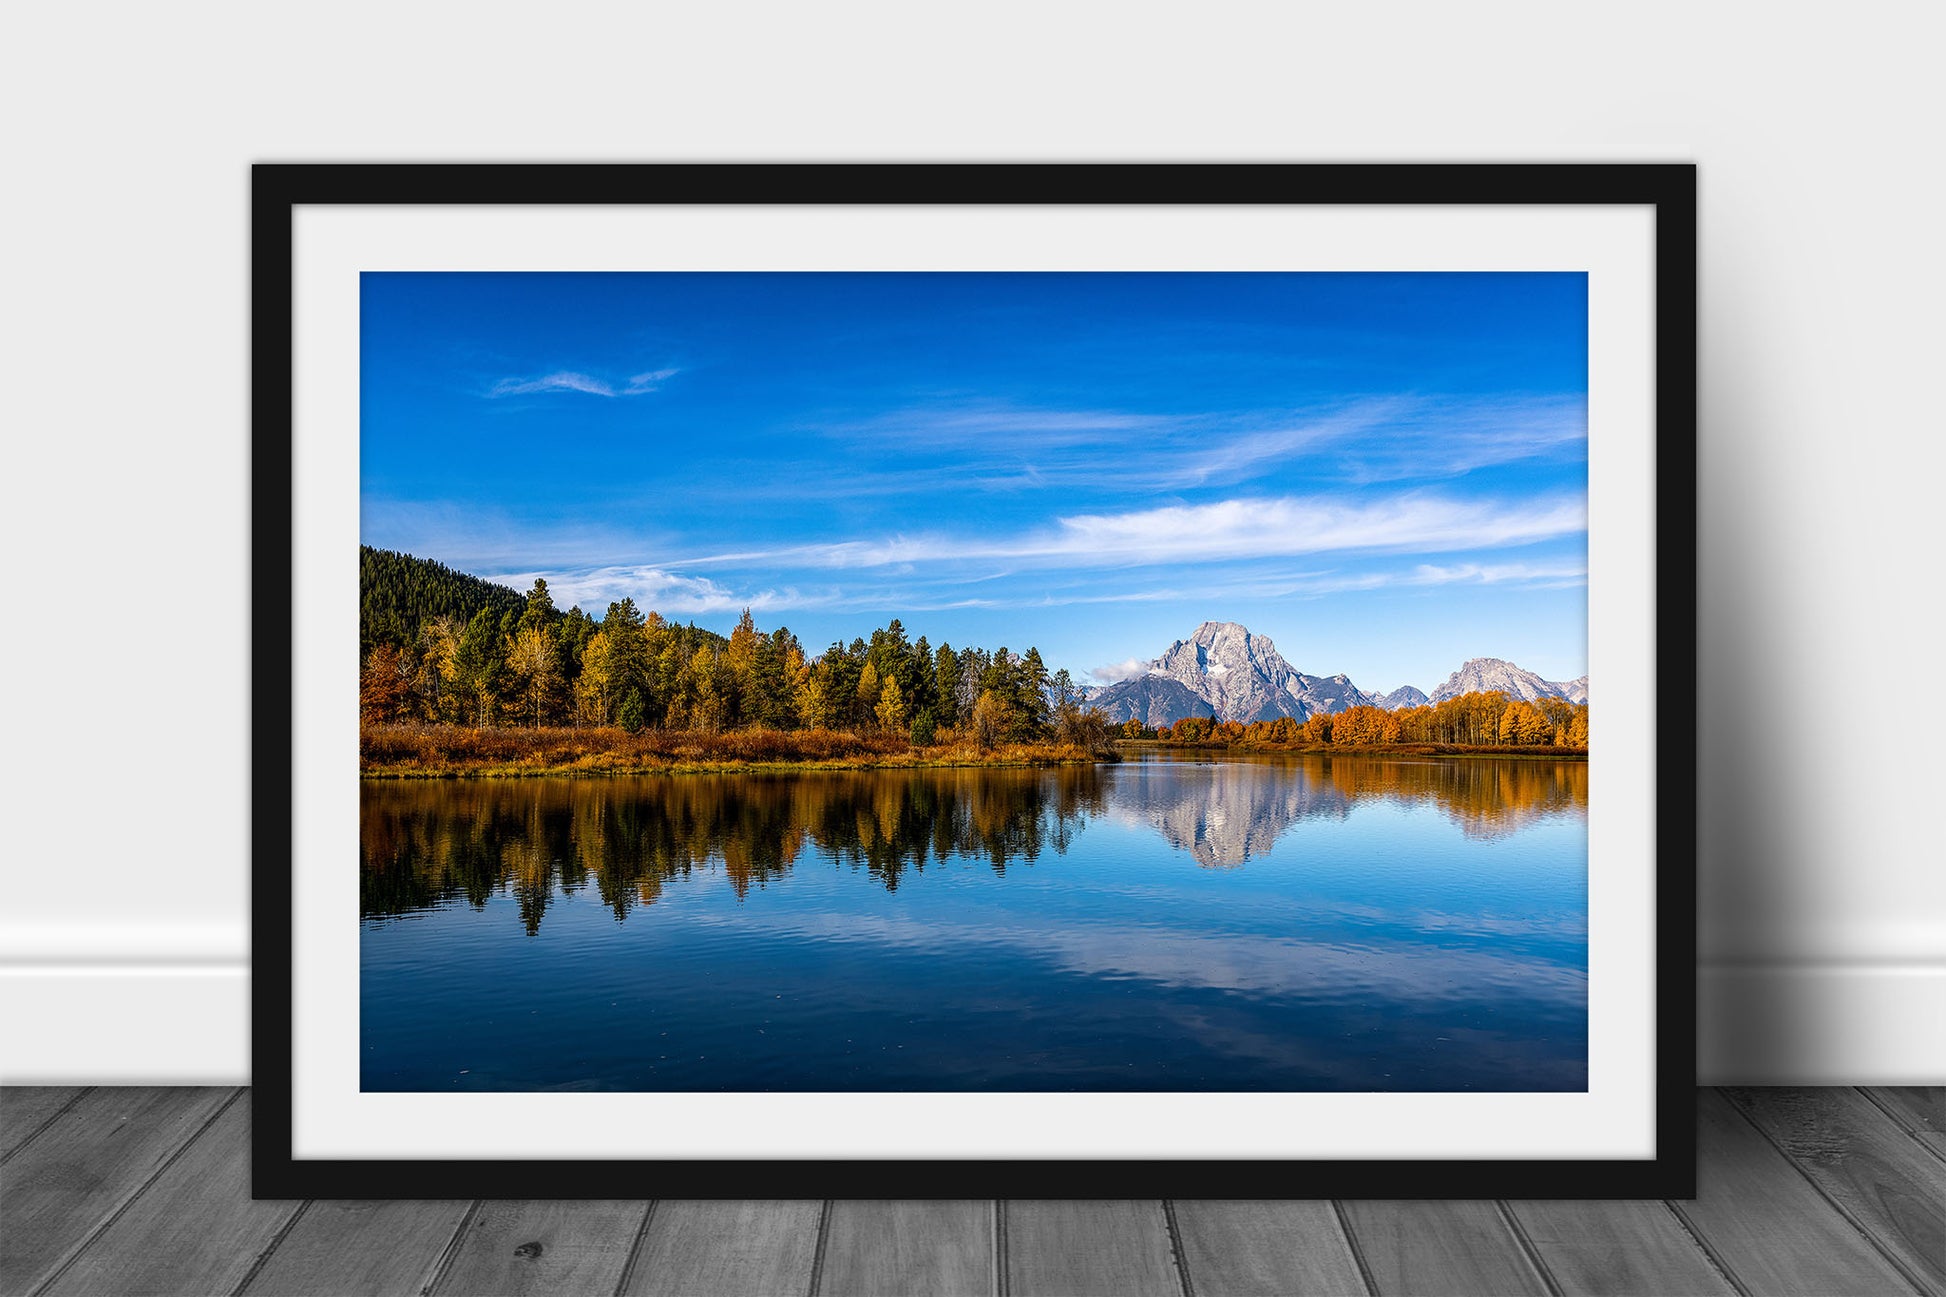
x: 992, y: 680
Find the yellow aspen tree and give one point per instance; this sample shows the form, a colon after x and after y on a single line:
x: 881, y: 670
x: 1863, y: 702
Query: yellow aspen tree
x: 536, y: 673
x: 992, y: 718
x: 1578, y: 728
x: 797, y: 686
x: 594, y: 699
x: 868, y: 687
x: 891, y: 706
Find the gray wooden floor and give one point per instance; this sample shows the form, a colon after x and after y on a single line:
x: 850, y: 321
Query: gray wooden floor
x: 145, y: 1190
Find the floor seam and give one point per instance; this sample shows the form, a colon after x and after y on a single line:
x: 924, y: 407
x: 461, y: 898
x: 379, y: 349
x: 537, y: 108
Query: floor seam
x: 448, y: 1254
x: 1525, y: 1246
x: 107, y: 1222
x: 1177, y: 1251
x: 817, y: 1255
x: 52, y: 1117
x: 276, y: 1241
x: 1715, y: 1258
x: 1357, y: 1251
x: 635, y: 1249
x: 1912, y: 1131
x: 1919, y: 1286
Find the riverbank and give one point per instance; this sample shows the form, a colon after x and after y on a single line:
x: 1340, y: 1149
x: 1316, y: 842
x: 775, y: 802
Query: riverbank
x: 450, y: 751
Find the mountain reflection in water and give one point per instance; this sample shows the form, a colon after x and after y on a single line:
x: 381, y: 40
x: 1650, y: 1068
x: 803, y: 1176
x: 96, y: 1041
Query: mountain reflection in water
x: 428, y: 843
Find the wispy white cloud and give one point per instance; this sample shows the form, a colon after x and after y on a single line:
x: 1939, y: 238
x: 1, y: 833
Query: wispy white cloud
x: 568, y: 380
x: 657, y: 588
x: 985, y: 427
x: 561, y: 381
x: 1542, y: 574
x: 647, y: 381
x: 1260, y: 585
x: 495, y: 539
x: 1248, y: 528
x: 1436, y: 439
x: 1237, y: 457
x: 1002, y: 447
x: 1235, y: 551
x: 1381, y: 438
x: 1262, y: 528
x: 1118, y: 671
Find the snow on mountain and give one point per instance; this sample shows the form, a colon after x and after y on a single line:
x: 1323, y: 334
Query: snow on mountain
x: 1488, y: 675
x: 1225, y: 671
x: 1401, y: 698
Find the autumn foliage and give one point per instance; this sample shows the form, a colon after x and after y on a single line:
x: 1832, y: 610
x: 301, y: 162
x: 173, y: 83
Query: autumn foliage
x: 422, y: 749
x: 1473, y: 722
x: 454, y: 669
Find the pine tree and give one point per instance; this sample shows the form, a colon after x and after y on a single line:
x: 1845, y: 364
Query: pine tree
x: 630, y: 715
x: 539, y: 612
x: 478, y: 667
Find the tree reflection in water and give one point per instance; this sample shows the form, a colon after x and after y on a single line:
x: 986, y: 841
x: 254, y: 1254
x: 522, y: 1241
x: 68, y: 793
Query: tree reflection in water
x: 430, y: 843
x: 427, y: 843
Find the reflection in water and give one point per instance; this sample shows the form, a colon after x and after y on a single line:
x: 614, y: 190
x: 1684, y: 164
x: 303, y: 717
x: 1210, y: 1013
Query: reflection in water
x: 1242, y: 807
x: 1159, y: 925
x: 427, y: 843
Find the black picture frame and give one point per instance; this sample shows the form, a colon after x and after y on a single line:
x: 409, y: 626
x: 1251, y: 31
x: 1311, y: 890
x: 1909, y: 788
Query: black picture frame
x: 277, y: 192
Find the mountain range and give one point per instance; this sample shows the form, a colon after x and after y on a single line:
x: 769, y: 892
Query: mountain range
x: 1225, y: 671
x: 1484, y: 675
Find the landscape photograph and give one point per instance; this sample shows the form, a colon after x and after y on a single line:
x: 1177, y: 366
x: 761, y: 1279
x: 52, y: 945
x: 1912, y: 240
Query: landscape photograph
x: 1122, y: 682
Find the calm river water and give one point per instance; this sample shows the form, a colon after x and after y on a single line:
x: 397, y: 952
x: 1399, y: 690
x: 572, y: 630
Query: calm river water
x: 1292, y: 923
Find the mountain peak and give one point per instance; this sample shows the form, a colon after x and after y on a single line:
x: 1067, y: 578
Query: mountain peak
x: 1225, y: 670
x: 1497, y: 675
x: 1212, y: 633
x: 1402, y: 697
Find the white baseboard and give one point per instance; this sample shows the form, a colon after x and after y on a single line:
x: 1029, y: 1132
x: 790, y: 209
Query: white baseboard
x: 129, y: 1024
x: 1821, y: 1024
x: 189, y: 1024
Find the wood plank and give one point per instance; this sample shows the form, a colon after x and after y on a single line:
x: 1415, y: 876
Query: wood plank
x: 354, y: 1247
x: 1921, y: 1109
x: 883, y: 1248
x: 1439, y: 1247
x: 24, y: 1109
x: 1777, y: 1234
x: 562, y: 1249
x: 747, y: 1248
x: 1266, y: 1249
x: 1612, y: 1249
x: 1114, y: 1248
x: 1891, y: 1188
x: 193, y: 1231
x: 85, y: 1166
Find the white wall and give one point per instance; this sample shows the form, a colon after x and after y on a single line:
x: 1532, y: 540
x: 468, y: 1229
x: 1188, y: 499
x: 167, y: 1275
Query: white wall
x: 123, y: 934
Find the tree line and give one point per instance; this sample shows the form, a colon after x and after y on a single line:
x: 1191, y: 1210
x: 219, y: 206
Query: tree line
x: 444, y: 647
x: 436, y: 648
x: 1490, y: 719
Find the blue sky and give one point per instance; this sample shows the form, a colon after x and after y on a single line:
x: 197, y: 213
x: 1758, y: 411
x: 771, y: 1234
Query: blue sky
x: 1385, y: 473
